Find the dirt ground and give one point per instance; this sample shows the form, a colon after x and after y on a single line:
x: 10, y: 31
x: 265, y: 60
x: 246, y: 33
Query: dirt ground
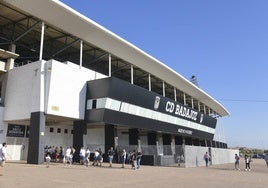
x: 22, y: 175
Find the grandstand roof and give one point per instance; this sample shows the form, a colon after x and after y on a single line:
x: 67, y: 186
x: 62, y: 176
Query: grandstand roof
x: 68, y: 21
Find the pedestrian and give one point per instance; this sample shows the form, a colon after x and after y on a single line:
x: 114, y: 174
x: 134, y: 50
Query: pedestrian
x: 123, y: 158
x: 100, y: 157
x: 111, y: 156
x: 247, y: 161
x: 266, y: 159
x: 3, y: 156
x: 139, y: 154
x: 82, y: 155
x: 237, y: 158
x: 133, y: 160
x: 206, y: 158
x: 48, y: 159
x: 67, y: 158
x: 87, y: 160
x: 96, y: 157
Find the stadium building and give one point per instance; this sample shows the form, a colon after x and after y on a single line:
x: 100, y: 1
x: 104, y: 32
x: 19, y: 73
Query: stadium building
x: 67, y: 81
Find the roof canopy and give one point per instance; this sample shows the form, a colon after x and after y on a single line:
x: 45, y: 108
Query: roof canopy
x: 66, y: 26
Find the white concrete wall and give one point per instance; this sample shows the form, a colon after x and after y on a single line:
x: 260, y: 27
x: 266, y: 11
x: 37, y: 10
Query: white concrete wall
x: 23, y: 91
x: 17, y: 148
x: 59, y: 139
x: 194, y: 156
x: 123, y: 139
x: 52, y: 87
x: 95, y: 138
x: 3, y: 126
x: 220, y: 156
x: 66, y: 89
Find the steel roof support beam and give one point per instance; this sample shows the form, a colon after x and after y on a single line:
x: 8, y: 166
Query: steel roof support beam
x: 120, y: 68
x: 150, y: 86
x: 81, y: 54
x: 26, y: 32
x: 67, y: 46
x: 163, y: 84
x: 99, y: 58
x: 175, y: 94
x: 42, y: 41
x: 110, y: 65
x: 132, y: 74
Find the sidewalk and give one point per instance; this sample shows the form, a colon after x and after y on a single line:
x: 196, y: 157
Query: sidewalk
x: 21, y: 175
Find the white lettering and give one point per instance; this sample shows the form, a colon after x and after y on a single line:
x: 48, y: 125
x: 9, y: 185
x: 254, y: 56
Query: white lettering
x: 181, y: 111
x: 170, y: 107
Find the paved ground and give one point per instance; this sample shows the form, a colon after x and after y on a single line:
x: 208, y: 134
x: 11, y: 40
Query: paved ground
x: 21, y: 175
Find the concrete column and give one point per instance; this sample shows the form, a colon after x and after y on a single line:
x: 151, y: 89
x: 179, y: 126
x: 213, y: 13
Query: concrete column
x: 173, y: 145
x: 10, y: 61
x: 167, y: 144
x: 133, y: 136
x: 79, y: 130
x: 36, y: 138
x: 110, y: 137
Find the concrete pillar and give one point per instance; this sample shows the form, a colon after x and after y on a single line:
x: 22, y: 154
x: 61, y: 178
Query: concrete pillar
x: 10, y: 61
x: 36, y: 138
x: 133, y: 136
x: 173, y: 145
x: 110, y: 137
x: 79, y: 130
x: 167, y: 144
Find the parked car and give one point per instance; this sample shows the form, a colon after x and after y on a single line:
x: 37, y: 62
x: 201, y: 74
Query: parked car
x: 258, y: 156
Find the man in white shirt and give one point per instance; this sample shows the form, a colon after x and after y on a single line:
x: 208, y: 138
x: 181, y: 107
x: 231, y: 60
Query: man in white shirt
x: 67, y: 156
x: 82, y: 155
x: 3, y: 156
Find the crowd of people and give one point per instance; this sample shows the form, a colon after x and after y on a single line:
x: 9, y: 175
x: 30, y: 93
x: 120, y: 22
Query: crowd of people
x: 58, y: 154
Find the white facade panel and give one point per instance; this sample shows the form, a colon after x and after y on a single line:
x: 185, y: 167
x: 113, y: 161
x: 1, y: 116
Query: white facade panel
x: 24, y: 91
x: 95, y: 139
x: 3, y: 126
x: 57, y: 139
x: 52, y: 87
x: 67, y: 89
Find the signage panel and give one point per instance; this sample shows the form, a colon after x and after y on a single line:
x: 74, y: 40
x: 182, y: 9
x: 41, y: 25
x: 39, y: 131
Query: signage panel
x: 15, y: 130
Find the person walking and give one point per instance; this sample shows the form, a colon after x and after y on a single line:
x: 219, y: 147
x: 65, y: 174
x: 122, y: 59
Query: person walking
x: 139, y: 155
x: 87, y: 158
x: 206, y: 158
x: 111, y: 156
x: 237, y: 158
x: 123, y: 158
x: 48, y: 159
x: 82, y: 155
x: 133, y: 160
x: 247, y: 161
x: 3, y: 156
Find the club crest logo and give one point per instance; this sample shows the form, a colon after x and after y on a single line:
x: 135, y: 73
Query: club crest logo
x: 201, y: 118
x: 156, y: 102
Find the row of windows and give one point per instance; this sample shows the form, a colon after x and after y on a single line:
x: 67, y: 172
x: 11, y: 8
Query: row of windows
x: 59, y: 130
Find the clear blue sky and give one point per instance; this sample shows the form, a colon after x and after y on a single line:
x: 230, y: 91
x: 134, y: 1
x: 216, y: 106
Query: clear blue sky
x: 224, y: 43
